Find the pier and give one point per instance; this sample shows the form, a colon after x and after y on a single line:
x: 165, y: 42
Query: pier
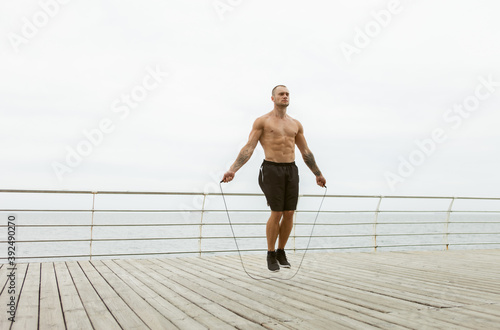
x: 355, y: 290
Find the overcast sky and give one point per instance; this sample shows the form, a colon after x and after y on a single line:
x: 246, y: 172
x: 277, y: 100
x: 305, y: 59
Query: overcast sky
x: 396, y: 97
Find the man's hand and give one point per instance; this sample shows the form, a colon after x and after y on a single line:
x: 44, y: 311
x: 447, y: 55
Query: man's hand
x: 321, y: 181
x: 228, y: 176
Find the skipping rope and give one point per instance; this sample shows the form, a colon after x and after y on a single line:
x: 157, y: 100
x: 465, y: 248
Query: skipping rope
x: 261, y: 278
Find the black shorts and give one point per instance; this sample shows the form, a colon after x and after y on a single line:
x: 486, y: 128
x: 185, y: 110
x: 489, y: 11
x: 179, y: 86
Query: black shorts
x: 280, y: 184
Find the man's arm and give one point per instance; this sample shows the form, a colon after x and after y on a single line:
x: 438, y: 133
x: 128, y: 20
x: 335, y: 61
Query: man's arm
x: 308, y: 156
x: 247, y: 151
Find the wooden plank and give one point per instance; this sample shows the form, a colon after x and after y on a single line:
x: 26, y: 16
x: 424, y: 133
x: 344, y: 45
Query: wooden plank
x: 4, y: 297
x: 396, y: 285
x: 461, y: 320
x: 387, y: 286
x: 11, y: 289
x: 150, y: 316
x: 488, y: 309
x: 97, y: 311
x: 51, y: 316
x: 72, y: 306
x: 121, y: 311
x: 341, y: 293
x: 333, y: 309
x: 191, y: 294
x: 473, y: 318
x: 198, y: 285
x: 3, y: 277
x: 444, y: 267
x: 458, y: 321
x: 195, y: 298
x: 27, y: 310
x: 223, y: 291
x: 157, y: 294
x: 441, y: 290
x: 459, y: 290
x: 362, y: 313
x: 265, y: 294
x: 438, y: 265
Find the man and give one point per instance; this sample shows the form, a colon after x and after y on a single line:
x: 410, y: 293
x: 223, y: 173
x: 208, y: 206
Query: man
x: 278, y: 133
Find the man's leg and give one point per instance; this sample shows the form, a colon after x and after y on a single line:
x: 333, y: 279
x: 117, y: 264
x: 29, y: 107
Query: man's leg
x: 286, y: 226
x: 273, y: 229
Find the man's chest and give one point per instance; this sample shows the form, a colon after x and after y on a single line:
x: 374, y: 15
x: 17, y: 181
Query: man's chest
x: 279, y: 129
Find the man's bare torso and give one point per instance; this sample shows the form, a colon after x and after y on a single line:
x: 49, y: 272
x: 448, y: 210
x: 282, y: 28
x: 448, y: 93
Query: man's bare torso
x: 278, y: 137
x: 278, y: 134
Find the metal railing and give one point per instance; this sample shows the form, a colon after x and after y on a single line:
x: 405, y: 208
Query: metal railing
x: 171, y: 223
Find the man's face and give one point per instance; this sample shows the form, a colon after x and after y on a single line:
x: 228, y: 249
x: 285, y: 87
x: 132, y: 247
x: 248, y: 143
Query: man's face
x: 281, y: 96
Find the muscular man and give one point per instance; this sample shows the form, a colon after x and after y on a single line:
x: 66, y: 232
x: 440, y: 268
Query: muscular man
x: 278, y: 133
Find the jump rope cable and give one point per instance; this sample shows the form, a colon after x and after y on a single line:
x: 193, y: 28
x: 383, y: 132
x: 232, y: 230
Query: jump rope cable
x: 262, y: 278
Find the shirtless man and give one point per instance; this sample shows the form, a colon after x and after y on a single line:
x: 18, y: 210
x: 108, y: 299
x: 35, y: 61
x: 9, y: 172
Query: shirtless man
x: 278, y: 133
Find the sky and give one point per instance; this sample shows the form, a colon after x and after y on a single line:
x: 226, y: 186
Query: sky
x: 396, y: 97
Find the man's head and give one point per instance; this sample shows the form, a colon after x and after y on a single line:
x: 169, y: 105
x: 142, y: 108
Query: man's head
x: 280, y: 96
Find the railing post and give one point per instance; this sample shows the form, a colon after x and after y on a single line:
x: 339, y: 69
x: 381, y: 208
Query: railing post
x: 201, y: 223
x: 447, y: 223
x: 92, y: 224
x: 375, y: 224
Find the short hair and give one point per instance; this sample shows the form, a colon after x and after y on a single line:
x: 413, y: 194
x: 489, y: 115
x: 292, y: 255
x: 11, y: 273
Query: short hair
x: 272, y: 93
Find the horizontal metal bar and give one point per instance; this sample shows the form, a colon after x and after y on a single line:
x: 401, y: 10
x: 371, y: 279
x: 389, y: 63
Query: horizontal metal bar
x: 109, y: 225
x: 110, y: 239
x: 347, y: 224
x: 33, y: 191
x: 482, y: 243
x: 239, y: 237
x: 391, y: 235
x: 241, y: 211
x: 227, y: 194
x: 90, y: 211
x: 181, y: 224
x: 45, y: 191
x: 207, y: 224
x: 212, y: 224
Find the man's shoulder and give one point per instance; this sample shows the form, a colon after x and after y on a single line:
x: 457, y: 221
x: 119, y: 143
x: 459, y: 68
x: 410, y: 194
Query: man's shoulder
x: 265, y: 116
x: 260, y: 122
x: 262, y: 119
x: 296, y: 121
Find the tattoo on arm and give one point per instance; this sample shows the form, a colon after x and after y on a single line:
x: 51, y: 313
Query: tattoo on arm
x: 243, y: 157
x: 311, y: 163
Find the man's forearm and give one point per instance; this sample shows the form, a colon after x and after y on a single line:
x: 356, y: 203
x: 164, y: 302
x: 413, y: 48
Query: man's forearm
x: 311, y: 163
x: 243, y: 157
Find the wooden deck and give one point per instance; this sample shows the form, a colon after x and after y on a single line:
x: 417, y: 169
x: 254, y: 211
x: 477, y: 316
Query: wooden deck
x: 389, y: 290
